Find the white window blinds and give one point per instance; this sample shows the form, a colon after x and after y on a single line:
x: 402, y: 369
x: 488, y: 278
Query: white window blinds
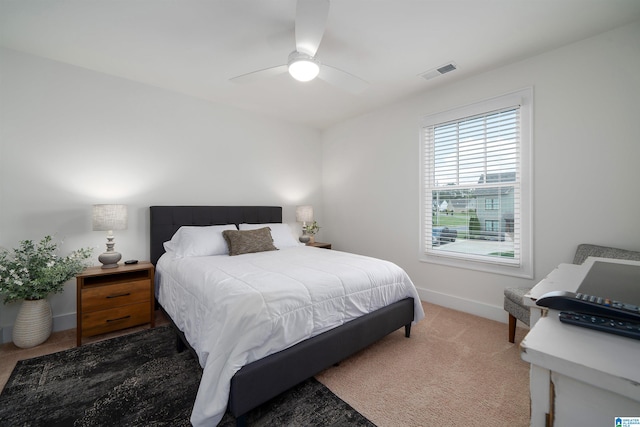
x: 472, y: 187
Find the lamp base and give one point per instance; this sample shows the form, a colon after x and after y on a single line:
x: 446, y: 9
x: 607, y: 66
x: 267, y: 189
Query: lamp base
x: 109, y: 259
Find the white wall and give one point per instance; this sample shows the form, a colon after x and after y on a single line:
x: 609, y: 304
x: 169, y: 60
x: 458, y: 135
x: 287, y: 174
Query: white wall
x: 586, y: 167
x: 71, y: 138
x: 56, y: 121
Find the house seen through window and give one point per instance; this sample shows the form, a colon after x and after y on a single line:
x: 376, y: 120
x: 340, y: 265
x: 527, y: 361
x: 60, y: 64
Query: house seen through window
x: 476, y: 208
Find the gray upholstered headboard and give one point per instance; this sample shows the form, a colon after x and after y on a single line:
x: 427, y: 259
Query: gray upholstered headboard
x: 165, y: 220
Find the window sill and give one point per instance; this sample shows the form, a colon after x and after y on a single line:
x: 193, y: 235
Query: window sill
x: 522, y: 271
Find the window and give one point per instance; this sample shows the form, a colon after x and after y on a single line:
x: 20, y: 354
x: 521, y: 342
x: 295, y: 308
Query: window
x: 491, y: 204
x: 492, y: 225
x: 476, y: 186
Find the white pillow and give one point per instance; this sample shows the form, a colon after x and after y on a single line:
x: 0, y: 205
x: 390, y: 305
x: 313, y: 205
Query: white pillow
x: 281, y: 234
x: 199, y: 241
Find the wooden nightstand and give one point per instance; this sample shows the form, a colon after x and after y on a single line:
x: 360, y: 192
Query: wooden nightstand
x: 320, y: 245
x: 111, y: 299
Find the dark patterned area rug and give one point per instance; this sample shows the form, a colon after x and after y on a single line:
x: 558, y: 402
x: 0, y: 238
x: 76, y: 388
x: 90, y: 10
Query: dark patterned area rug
x: 140, y: 380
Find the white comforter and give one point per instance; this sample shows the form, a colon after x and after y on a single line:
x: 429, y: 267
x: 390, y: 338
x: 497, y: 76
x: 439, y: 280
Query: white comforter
x: 238, y: 309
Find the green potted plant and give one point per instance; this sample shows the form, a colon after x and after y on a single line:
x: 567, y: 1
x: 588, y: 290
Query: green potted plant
x: 30, y: 274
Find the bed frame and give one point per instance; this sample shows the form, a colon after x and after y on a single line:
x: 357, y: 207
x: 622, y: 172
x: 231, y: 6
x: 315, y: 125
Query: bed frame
x: 266, y: 378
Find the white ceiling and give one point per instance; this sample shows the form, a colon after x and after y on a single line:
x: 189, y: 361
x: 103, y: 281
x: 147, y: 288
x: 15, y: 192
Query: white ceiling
x: 195, y: 46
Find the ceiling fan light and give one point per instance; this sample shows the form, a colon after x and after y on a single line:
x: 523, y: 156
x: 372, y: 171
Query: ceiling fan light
x: 304, y: 70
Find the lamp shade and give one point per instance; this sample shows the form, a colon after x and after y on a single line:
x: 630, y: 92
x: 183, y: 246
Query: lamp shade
x: 109, y: 217
x: 304, y: 213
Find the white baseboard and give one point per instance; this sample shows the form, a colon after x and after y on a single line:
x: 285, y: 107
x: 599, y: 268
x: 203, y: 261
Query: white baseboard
x: 64, y: 322
x: 60, y: 323
x: 461, y: 304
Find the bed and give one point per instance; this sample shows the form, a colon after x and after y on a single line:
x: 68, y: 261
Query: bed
x: 267, y: 371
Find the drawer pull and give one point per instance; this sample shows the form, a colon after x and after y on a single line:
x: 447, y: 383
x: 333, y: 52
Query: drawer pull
x: 119, y: 318
x: 119, y: 295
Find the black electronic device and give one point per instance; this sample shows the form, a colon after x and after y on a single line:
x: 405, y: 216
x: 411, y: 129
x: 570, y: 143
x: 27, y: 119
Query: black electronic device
x: 131, y: 261
x: 607, y: 300
x: 590, y: 304
x: 616, y: 281
x: 603, y: 324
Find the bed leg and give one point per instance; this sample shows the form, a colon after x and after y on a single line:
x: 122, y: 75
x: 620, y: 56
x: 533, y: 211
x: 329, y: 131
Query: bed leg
x: 407, y: 330
x: 241, y: 421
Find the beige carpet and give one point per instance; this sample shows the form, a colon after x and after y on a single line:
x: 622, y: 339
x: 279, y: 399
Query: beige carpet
x: 455, y: 370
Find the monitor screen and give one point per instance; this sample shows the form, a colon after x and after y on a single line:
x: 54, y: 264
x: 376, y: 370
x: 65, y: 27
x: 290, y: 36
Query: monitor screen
x: 619, y: 282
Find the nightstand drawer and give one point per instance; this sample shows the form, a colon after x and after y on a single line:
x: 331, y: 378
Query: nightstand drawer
x: 111, y: 296
x: 102, y: 321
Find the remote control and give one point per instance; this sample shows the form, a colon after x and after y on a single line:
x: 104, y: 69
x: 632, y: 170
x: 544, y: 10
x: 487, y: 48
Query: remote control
x: 131, y: 261
x: 590, y: 304
x: 604, y: 324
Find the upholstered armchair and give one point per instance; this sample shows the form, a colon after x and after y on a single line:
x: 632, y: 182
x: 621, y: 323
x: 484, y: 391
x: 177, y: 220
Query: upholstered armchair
x: 514, y: 297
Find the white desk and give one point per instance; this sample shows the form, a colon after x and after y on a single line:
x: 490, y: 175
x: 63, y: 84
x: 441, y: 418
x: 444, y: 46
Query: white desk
x: 579, y: 377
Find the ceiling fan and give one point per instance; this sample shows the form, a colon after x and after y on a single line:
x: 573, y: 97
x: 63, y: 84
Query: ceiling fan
x: 302, y: 65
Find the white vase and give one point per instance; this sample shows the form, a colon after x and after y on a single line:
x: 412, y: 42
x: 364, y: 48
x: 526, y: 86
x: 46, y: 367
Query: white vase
x: 33, y: 324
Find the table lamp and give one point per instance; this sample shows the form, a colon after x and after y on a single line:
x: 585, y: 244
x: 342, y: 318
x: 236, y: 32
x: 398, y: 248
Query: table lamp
x: 304, y: 214
x: 108, y: 218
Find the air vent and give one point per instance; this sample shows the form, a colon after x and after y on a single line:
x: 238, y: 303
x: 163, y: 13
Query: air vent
x: 443, y: 69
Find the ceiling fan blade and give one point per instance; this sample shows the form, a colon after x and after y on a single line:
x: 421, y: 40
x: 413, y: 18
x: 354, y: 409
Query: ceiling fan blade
x: 311, y: 19
x: 342, y: 79
x: 260, y: 74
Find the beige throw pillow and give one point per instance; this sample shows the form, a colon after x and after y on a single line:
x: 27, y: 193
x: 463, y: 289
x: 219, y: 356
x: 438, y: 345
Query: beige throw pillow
x: 249, y: 241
